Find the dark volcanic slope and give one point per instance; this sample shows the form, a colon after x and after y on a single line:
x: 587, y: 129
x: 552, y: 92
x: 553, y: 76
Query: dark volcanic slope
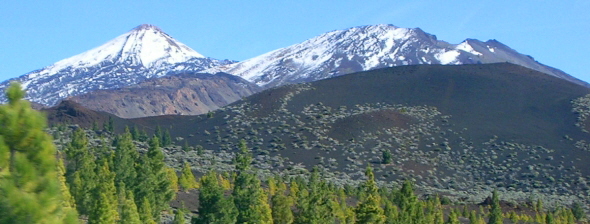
x: 506, y: 100
x: 456, y: 128
x: 70, y: 112
x: 503, y: 99
x: 185, y: 94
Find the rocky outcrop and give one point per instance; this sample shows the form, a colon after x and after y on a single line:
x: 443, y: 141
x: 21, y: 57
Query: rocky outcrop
x: 181, y: 94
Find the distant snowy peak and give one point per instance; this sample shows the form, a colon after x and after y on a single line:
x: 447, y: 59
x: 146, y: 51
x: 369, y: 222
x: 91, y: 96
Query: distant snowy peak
x: 145, y: 45
x: 370, y: 47
x: 144, y: 52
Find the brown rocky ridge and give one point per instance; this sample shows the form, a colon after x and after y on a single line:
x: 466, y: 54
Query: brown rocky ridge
x: 179, y: 94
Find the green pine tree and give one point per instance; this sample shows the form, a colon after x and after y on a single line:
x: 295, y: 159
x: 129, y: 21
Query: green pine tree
x: 496, y: 211
x: 314, y: 201
x: 163, y: 189
x: 104, y: 151
x: 146, y: 184
x: 166, y: 138
x: 391, y: 212
x: 124, y: 160
x: 200, y: 150
x: 30, y: 190
x: 281, y: 206
x: 249, y: 197
x: 251, y: 200
x: 185, y: 147
x: 80, y: 171
x: 129, y: 213
x: 158, y: 133
x: 145, y: 211
x: 473, y: 218
x: 187, y: 180
x: 272, y: 186
x: 104, y: 212
x: 143, y: 136
x: 173, y: 178
x: 410, y: 206
x: 134, y: 133
x: 453, y: 218
x: 549, y: 219
x: 539, y: 206
x: 109, y: 126
x: 214, y: 207
x: 369, y: 208
x: 578, y: 212
x: 68, y: 199
x: 94, y: 126
x: 434, y: 211
x: 387, y: 158
x: 105, y: 203
x: 179, y: 216
x: 244, y: 157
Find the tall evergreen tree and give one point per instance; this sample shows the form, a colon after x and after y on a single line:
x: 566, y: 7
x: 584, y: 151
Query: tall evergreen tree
x: 214, y: 207
x: 391, y: 212
x: 281, y: 206
x: 29, y: 185
x: 146, y: 184
x: 293, y: 190
x: 105, y: 203
x: 387, y: 158
x: 104, y: 152
x: 272, y: 186
x: 145, y: 211
x: 243, y: 158
x: 158, y: 133
x: 249, y: 197
x: 473, y: 218
x: 80, y: 171
x: 143, y: 136
x: 129, y: 213
x: 369, y: 208
x: 166, y: 138
x: 124, y: 160
x: 109, y: 126
x: 104, y: 212
x: 187, y: 180
x: 162, y: 184
x: 314, y: 201
x: 134, y: 133
x: 539, y: 206
x: 453, y: 218
x: 434, y: 211
x: 173, y: 178
x: 496, y: 210
x: 410, y: 206
x: 185, y: 147
x: 578, y: 212
x: 549, y: 219
x: 179, y: 216
x: 251, y: 200
x: 94, y: 126
x: 68, y: 199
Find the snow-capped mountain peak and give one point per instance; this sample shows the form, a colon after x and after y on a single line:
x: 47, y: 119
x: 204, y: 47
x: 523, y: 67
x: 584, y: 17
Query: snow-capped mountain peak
x: 340, y: 52
x: 144, y: 45
x: 370, y: 47
x: 144, y: 52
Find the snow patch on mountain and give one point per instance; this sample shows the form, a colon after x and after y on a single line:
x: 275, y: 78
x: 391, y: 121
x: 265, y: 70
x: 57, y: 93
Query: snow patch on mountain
x: 364, y: 48
x: 448, y: 57
x: 467, y: 48
x: 142, y: 53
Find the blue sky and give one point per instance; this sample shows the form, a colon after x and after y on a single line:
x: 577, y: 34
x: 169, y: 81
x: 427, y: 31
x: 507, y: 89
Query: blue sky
x: 35, y: 34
